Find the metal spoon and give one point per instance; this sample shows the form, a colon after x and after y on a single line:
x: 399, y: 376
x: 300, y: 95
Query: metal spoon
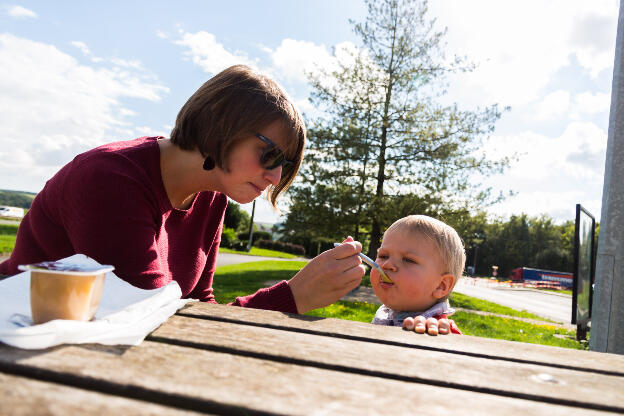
x: 372, y: 264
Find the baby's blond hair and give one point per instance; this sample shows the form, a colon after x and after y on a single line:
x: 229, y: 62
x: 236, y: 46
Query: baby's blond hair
x: 444, y: 236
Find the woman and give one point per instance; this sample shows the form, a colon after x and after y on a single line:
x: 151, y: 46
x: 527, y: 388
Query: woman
x: 153, y: 207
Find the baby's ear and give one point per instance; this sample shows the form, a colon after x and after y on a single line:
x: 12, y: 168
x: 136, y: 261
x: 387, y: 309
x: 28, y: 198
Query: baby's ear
x: 445, y: 284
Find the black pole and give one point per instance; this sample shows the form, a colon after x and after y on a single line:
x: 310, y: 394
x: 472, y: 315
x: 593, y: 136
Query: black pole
x: 253, y: 210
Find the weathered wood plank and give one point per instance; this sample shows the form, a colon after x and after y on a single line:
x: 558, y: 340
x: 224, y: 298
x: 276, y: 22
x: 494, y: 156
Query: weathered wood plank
x: 27, y: 397
x: 504, y: 378
x: 505, y: 350
x: 261, y: 385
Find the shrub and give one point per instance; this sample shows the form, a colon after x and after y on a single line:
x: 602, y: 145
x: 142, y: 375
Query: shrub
x: 280, y: 246
x: 240, y: 245
x: 257, y: 235
x: 8, y: 229
x: 228, y: 237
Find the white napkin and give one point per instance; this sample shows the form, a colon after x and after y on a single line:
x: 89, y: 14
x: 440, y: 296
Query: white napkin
x: 126, y: 314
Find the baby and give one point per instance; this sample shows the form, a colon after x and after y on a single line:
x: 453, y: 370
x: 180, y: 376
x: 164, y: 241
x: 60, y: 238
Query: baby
x: 424, y: 258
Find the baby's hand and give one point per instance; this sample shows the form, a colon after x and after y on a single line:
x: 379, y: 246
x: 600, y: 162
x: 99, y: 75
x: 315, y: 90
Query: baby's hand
x: 432, y: 326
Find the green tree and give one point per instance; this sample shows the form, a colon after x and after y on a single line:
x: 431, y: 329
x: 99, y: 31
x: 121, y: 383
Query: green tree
x: 524, y: 241
x: 16, y: 198
x: 235, y: 217
x: 384, y: 146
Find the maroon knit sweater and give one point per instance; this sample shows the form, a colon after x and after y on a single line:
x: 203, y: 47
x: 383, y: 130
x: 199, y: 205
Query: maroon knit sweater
x: 110, y: 204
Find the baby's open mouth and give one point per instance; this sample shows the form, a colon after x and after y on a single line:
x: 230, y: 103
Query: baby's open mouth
x: 385, y: 283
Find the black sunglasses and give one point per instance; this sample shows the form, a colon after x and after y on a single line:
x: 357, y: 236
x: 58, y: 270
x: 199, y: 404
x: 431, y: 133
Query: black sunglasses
x: 272, y: 156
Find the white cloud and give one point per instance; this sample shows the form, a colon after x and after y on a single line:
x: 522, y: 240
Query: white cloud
x: 590, y: 103
x: 264, y: 211
x: 82, y: 47
x: 593, y: 39
x: 553, y: 105
x: 128, y: 63
x: 557, y: 205
x: 53, y: 108
x: 86, y: 51
x: 151, y: 131
x: 552, y: 174
x: 294, y: 59
x: 19, y: 12
x: 291, y: 61
x: 520, y: 46
x: 546, y: 60
x: 210, y: 55
x: 305, y: 107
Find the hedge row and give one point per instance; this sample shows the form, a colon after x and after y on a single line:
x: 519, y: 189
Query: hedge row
x: 257, y: 235
x: 279, y: 246
x: 8, y: 229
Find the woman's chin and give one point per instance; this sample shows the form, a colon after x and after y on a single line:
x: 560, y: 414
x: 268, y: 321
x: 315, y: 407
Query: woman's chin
x: 242, y: 199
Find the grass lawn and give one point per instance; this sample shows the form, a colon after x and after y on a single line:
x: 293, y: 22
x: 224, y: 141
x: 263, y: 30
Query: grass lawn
x: 7, y: 242
x: 459, y: 300
x: 565, y: 291
x: 255, y: 251
x: 243, y: 279
x: 8, y: 234
x: 515, y: 330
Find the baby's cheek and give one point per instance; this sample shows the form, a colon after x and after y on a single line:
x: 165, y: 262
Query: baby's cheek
x: 374, y: 274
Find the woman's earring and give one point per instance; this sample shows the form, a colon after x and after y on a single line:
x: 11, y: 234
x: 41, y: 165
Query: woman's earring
x: 209, y: 163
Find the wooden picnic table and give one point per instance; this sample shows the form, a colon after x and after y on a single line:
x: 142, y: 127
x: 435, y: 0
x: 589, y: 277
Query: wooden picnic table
x: 227, y: 360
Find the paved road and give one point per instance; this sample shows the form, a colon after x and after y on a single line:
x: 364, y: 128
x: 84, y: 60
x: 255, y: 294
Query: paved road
x: 550, y: 305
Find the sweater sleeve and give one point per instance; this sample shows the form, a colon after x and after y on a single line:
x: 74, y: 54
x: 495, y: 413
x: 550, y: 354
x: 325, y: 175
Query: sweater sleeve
x: 276, y: 298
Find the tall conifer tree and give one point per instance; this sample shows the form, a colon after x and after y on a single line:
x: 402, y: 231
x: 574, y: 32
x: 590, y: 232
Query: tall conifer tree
x: 384, y: 146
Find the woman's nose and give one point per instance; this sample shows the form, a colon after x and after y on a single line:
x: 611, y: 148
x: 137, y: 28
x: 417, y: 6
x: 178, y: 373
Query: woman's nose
x: 274, y: 175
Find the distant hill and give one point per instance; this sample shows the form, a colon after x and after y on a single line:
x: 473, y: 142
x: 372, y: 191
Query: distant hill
x: 20, y: 199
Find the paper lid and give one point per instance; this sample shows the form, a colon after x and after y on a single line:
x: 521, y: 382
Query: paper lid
x: 59, y: 267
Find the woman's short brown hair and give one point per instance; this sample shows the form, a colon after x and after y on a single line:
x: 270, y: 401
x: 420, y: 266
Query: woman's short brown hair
x: 234, y: 104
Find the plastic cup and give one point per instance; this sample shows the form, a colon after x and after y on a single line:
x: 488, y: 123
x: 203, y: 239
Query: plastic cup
x: 65, y: 291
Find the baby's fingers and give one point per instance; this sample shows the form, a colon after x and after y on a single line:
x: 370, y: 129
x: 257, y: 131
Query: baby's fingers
x: 432, y: 326
x: 420, y: 324
x: 444, y: 326
x: 408, y: 323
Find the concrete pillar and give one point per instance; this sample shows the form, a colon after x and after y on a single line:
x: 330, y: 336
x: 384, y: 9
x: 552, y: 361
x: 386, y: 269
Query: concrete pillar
x: 607, y: 322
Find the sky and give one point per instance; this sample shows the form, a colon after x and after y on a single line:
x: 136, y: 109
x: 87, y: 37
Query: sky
x: 75, y: 75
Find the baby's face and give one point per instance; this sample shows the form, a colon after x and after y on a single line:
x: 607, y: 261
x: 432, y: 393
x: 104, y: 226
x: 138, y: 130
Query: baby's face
x: 413, y: 263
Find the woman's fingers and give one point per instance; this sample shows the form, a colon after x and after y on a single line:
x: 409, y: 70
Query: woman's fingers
x: 346, y: 249
x: 328, y: 277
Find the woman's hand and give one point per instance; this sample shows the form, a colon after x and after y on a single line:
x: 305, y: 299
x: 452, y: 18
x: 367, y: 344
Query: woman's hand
x: 328, y: 277
x: 432, y: 326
